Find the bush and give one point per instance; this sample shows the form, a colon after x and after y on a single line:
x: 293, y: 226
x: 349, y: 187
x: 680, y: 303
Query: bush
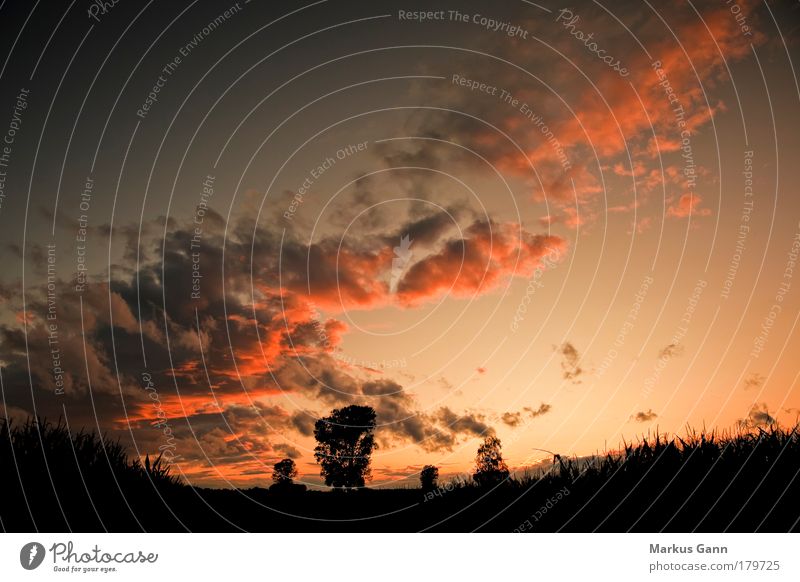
x: 429, y: 477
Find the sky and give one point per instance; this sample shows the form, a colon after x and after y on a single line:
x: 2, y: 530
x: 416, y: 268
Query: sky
x: 564, y: 226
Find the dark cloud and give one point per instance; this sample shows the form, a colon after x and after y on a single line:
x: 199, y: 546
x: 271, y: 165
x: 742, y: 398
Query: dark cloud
x: 570, y: 363
x: 753, y: 380
x: 514, y: 419
x: 644, y: 416
x: 287, y: 450
x: 511, y: 418
x: 303, y: 421
x: 758, y: 417
x: 543, y: 409
x: 400, y: 421
x: 670, y: 351
x: 470, y: 424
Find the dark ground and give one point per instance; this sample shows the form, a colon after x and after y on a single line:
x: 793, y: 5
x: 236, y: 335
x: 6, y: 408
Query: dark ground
x: 744, y: 483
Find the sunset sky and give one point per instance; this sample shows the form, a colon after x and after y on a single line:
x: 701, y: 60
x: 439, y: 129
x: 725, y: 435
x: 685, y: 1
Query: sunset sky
x: 483, y: 221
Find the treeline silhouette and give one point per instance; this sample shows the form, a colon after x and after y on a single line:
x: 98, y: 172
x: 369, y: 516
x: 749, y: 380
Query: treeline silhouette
x: 745, y: 480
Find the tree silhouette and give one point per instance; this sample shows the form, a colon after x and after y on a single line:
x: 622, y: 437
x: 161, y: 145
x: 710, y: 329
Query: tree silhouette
x: 490, y: 468
x: 345, y: 443
x: 428, y: 477
x: 283, y: 472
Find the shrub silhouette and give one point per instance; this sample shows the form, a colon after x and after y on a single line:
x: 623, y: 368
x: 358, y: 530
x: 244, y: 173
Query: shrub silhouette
x: 428, y: 478
x: 490, y: 468
x: 345, y: 443
x: 284, y: 472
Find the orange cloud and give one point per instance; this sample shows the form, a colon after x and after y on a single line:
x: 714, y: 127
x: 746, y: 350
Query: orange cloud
x: 687, y: 205
x: 485, y: 257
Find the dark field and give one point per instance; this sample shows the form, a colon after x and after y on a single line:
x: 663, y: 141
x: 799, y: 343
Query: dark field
x: 744, y: 482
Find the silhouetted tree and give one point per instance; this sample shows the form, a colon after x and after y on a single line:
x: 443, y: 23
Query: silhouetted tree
x: 345, y: 443
x: 283, y: 472
x: 428, y: 477
x: 490, y: 468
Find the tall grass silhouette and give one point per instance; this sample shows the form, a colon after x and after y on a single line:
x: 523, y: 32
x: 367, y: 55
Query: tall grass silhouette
x: 741, y: 480
x: 57, y: 480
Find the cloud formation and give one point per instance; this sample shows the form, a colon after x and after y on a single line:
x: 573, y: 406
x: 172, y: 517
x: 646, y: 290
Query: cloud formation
x: 758, y: 417
x: 644, y: 416
x: 211, y: 357
x: 670, y: 351
x: 514, y: 419
x: 570, y: 362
